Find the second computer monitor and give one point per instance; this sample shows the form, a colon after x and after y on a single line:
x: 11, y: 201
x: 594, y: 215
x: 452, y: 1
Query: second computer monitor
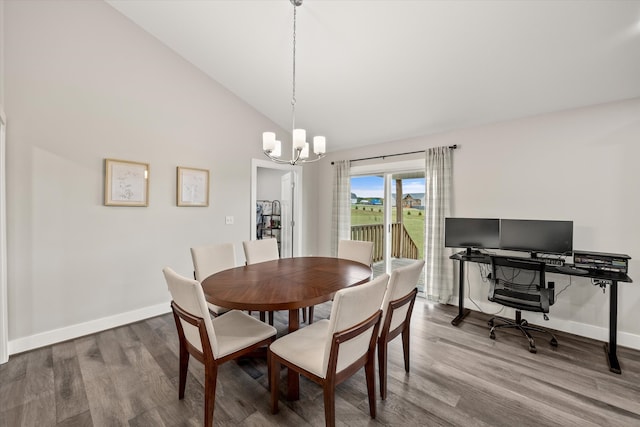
x: 543, y: 236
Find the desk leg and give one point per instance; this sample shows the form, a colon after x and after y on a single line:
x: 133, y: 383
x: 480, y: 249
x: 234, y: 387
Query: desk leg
x: 611, y: 349
x: 293, y: 378
x: 462, y: 312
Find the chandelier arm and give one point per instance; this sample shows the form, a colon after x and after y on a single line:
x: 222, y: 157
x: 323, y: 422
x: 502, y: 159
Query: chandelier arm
x: 278, y: 160
x: 295, y: 161
x: 318, y: 157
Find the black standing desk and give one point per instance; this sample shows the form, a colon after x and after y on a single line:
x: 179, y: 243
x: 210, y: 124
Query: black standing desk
x: 611, y: 349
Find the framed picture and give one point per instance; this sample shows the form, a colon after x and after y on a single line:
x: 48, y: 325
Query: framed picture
x: 126, y: 183
x: 193, y: 187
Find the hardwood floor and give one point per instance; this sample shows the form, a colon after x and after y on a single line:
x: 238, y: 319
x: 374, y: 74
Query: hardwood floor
x: 460, y: 377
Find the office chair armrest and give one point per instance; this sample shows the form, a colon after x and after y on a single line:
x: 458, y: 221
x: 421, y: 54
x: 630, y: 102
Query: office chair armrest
x: 492, y: 289
x: 547, y: 297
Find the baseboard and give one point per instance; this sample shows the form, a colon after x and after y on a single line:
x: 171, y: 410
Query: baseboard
x: 625, y: 339
x: 75, y: 331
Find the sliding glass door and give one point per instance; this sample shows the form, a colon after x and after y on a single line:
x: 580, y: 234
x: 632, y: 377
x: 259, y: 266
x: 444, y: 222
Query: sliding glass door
x: 387, y: 208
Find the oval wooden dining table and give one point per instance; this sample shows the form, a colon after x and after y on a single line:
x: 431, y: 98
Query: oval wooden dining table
x: 284, y: 284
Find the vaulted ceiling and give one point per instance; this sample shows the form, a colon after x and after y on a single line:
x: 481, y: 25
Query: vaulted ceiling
x: 385, y: 70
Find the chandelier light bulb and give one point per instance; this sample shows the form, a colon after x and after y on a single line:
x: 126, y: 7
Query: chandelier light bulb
x: 304, y: 154
x: 299, y: 138
x: 319, y: 145
x: 268, y: 141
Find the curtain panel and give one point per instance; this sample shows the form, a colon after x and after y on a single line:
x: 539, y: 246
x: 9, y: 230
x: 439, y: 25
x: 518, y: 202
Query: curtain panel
x: 439, y: 280
x: 341, y: 212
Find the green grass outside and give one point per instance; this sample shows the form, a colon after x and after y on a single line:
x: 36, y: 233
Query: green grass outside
x: 413, y: 220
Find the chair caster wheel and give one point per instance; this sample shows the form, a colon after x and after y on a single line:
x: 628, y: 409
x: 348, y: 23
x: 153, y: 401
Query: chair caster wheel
x: 524, y: 323
x: 532, y: 349
x: 490, y: 322
x: 532, y: 346
x: 553, y: 342
x: 492, y: 335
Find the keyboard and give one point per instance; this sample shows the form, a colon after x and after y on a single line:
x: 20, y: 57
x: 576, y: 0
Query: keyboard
x: 552, y: 261
x: 570, y: 270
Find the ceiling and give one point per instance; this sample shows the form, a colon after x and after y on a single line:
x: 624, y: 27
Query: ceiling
x: 376, y: 71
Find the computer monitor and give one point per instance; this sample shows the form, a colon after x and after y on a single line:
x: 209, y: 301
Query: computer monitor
x: 479, y: 233
x: 544, y: 236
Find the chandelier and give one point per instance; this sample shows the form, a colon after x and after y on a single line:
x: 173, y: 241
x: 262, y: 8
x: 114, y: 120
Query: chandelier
x: 300, y: 147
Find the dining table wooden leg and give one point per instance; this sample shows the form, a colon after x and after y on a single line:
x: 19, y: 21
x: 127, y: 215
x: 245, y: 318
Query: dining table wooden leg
x: 293, y: 378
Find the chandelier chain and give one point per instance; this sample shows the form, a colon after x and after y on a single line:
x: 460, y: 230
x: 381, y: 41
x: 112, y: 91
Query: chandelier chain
x: 293, y: 96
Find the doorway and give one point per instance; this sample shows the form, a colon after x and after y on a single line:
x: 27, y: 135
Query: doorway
x: 387, y: 208
x: 277, y: 187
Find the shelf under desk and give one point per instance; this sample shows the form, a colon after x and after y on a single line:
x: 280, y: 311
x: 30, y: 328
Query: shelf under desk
x: 611, y: 348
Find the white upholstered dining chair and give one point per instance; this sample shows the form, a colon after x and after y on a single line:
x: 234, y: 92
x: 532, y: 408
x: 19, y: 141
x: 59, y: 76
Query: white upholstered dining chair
x: 330, y: 351
x: 256, y: 251
x: 263, y: 250
x: 356, y: 250
x: 397, y: 307
x: 210, y: 341
x: 208, y: 260
x: 353, y: 250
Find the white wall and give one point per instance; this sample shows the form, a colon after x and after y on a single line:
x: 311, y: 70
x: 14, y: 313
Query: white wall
x: 580, y: 165
x: 269, y: 184
x: 83, y: 84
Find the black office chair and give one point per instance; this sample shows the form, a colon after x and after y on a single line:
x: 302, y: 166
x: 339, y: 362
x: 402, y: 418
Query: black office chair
x: 520, y: 284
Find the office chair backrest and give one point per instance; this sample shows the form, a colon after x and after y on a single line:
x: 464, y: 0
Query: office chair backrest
x: 208, y: 260
x: 256, y: 251
x: 515, y: 282
x: 502, y: 269
x: 351, y: 306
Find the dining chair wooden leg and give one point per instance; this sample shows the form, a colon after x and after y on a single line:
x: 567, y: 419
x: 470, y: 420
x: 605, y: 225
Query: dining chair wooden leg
x: 405, y: 347
x: 184, y: 367
x: 329, y: 393
x: 268, y: 370
x: 382, y: 367
x: 210, y: 378
x: 275, y: 384
x: 369, y: 369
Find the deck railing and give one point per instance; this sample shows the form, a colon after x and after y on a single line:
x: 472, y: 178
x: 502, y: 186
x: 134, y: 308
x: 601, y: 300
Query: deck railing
x: 402, y: 245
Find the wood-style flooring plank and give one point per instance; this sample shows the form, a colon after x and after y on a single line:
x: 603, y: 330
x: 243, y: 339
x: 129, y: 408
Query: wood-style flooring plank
x: 458, y: 377
x: 71, y: 398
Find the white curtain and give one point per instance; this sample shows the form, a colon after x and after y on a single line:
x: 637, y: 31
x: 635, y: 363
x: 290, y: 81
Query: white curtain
x: 341, y: 214
x: 439, y: 281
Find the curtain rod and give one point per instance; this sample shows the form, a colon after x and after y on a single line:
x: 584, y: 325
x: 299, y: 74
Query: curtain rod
x: 452, y: 147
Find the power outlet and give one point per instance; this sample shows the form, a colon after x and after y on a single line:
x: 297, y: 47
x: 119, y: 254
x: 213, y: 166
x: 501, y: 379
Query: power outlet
x: 228, y: 220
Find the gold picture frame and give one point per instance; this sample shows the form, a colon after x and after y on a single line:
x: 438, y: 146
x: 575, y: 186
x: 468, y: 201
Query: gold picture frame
x: 193, y: 187
x: 126, y: 183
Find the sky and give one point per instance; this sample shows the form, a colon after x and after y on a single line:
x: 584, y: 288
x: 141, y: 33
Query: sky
x: 373, y: 186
